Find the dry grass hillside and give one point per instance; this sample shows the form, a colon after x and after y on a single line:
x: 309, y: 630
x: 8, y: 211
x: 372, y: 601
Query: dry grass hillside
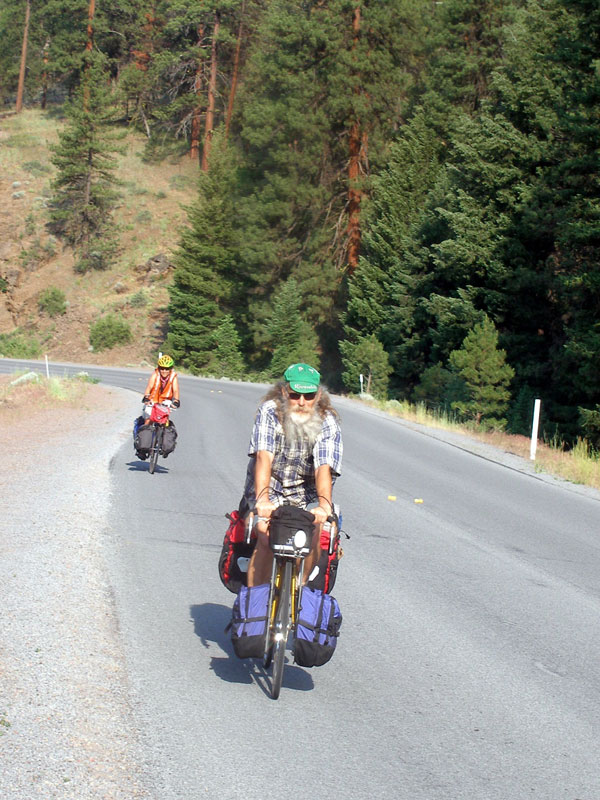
x: 149, y: 216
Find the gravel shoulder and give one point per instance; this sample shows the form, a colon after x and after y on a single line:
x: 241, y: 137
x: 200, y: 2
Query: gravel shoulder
x: 66, y: 723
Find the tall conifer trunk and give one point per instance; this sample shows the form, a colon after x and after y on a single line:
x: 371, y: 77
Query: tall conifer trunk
x: 21, y: 84
x: 236, y: 66
x: 212, y: 87
x: 90, y: 26
x: 45, y: 75
x: 88, y: 49
x: 143, y: 57
x: 195, y: 133
x: 357, y: 150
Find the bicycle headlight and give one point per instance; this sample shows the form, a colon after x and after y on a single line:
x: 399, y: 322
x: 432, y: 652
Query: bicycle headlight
x: 299, y: 540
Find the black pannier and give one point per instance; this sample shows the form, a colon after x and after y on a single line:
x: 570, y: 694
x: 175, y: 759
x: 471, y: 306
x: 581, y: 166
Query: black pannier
x: 169, y: 439
x: 143, y: 439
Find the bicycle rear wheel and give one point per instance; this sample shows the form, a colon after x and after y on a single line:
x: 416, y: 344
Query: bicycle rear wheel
x: 282, y: 623
x: 155, y: 449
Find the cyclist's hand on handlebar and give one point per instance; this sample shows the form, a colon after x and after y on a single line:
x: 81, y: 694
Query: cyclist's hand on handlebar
x: 264, y: 509
x: 175, y: 403
x: 146, y: 398
x: 320, y: 514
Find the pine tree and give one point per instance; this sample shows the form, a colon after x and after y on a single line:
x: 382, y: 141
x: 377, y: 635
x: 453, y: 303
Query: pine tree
x: 316, y: 85
x: 227, y: 359
x: 207, y: 283
x: 84, y: 191
x: 289, y: 335
x: 382, y: 290
x: 367, y: 358
x: 428, y: 244
x: 486, y: 374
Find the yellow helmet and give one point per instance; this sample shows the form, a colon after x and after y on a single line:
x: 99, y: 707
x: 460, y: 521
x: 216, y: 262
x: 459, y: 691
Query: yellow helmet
x: 166, y: 362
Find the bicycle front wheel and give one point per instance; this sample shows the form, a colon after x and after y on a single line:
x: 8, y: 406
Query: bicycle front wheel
x: 154, y: 450
x: 282, y: 627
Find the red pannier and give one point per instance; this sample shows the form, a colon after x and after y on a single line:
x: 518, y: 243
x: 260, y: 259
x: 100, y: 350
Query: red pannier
x: 324, y: 572
x: 235, y: 554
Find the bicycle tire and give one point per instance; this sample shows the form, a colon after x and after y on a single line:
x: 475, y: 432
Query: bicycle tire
x: 268, y: 657
x: 282, y: 626
x: 154, y: 451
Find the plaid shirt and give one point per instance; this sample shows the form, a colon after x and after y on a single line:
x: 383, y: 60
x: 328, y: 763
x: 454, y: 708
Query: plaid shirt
x: 294, y: 464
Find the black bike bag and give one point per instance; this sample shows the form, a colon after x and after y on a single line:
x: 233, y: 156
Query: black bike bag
x: 286, y: 522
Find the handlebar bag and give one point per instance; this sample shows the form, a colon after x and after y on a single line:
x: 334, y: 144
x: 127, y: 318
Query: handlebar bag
x: 318, y: 628
x: 286, y: 521
x: 159, y: 413
x: 249, y: 621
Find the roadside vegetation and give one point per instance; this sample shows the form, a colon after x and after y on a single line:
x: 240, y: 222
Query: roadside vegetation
x: 24, y: 392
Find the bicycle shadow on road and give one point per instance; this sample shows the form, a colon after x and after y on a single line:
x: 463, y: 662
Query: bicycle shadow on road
x: 210, y: 621
x: 142, y: 466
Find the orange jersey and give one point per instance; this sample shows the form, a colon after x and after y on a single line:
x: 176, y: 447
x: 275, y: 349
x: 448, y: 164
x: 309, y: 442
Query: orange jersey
x: 158, y: 390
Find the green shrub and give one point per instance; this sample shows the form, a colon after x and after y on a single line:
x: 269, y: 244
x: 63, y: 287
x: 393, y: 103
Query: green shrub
x: 144, y: 216
x: 18, y: 345
x: 109, y: 332
x: 139, y: 299
x: 36, y: 168
x: 181, y: 182
x: 3, y: 285
x: 30, y: 224
x: 99, y: 255
x: 52, y: 301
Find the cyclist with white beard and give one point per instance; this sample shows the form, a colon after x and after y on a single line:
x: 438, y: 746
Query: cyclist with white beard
x: 295, y: 456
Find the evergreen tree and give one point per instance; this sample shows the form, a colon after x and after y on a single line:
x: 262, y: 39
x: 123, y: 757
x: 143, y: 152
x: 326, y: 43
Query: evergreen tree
x: 207, y: 282
x: 289, y: 335
x: 429, y: 244
x: 367, y: 358
x: 84, y: 192
x: 227, y: 359
x: 313, y: 82
x: 520, y: 415
x: 432, y: 389
x: 589, y: 422
x: 486, y: 374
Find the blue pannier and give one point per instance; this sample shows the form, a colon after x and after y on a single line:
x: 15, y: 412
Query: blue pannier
x: 319, y: 622
x: 249, y: 621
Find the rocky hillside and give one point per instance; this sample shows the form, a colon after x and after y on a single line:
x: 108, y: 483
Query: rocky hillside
x: 149, y: 216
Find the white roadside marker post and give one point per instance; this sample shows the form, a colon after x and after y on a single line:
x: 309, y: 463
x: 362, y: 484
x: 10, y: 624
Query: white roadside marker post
x: 534, y: 429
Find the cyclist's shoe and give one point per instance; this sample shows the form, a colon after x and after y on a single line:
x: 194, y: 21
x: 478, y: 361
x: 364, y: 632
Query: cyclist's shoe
x: 142, y: 454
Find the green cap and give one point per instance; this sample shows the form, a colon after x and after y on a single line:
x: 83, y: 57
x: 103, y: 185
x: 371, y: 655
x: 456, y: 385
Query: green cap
x: 302, y: 378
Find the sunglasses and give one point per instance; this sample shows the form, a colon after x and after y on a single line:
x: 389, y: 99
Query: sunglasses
x: 305, y: 395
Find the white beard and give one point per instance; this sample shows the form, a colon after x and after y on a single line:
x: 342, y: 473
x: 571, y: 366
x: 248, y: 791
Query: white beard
x: 302, y: 427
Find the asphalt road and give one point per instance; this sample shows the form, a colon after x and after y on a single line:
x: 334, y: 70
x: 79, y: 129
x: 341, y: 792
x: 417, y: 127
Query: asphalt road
x: 468, y: 661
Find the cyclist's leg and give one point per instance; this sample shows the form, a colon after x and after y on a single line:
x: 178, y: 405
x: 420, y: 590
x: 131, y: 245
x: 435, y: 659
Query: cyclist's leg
x: 261, y: 563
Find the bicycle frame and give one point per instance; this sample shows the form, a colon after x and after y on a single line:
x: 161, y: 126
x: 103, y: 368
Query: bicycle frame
x: 284, y: 602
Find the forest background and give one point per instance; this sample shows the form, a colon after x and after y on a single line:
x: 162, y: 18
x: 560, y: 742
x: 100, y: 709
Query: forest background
x: 406, y: 190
